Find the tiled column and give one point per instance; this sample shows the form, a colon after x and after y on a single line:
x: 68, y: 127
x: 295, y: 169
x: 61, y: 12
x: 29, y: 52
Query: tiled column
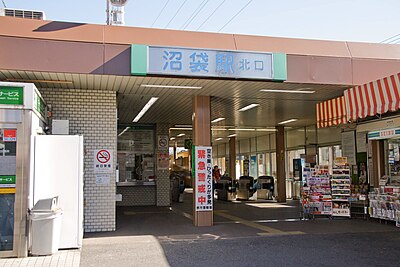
x: 201, y: 137
x: 162, y: 181
x: 232, y: 157
x: 280, y: 163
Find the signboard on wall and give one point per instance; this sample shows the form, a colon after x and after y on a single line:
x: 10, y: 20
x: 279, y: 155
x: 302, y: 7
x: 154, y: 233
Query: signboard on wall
x: 349, y: 147
x: 142, y: 141
x: 103, y: 161
x: 196, y: 62
x: 210, y: 63
x: 203, y: 178
x: 11, y: 95
x: 162, y: 142
x: 384, y: 134
x: 163, y: 160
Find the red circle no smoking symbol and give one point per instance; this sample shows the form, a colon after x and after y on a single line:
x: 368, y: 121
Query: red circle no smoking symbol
x: 103, y: 156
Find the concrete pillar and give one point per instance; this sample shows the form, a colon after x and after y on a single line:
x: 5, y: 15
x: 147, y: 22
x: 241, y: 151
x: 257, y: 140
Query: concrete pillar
x: 280, y: 163
x: 201, y: 120
x: 232, y: 157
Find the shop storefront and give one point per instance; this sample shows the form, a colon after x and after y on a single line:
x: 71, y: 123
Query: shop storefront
x: 385, y: 196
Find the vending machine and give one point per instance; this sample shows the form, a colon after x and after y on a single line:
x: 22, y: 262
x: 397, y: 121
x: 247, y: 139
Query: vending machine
x: 34, y: 166
x: 22, y: 116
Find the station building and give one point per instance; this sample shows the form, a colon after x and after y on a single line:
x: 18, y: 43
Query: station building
x: 99, y: 78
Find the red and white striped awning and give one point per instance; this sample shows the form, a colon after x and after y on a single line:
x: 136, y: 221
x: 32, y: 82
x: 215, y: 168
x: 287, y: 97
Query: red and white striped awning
x: 373, y: 98
x: 331, y: 112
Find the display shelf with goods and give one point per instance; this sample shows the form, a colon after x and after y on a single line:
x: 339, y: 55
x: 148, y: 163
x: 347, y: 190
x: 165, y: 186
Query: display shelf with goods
x: 384, y: 203
x: 341, y: 190
x: 316, y: 192
x: 359, y: 201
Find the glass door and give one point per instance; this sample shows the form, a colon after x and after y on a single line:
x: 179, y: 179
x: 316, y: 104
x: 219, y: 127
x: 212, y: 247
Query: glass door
x: 8, y: 161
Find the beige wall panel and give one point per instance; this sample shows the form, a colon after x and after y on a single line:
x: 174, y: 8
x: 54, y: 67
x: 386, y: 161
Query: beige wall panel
x: 244, y: 146
x: 53, y: 56
x: 367, y: 70
x: 253, y: 145
x: 329, y: 135
x: 295, y: 138
x: 320, y: 70
x: 263, y: 143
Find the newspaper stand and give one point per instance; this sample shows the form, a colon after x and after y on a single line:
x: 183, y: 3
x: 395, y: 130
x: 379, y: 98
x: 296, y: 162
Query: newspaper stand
x: 316, y: 197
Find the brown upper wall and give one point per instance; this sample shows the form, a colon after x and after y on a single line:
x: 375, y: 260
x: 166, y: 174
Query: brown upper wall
x: 80, y: 32
x: 35, y: 45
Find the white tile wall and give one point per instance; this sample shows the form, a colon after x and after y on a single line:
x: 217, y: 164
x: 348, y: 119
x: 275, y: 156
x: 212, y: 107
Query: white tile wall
x: 93, y: 115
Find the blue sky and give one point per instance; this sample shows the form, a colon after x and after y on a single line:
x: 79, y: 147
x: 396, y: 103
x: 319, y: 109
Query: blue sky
x: 345, y: 20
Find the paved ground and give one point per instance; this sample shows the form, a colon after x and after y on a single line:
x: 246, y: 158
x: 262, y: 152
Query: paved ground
x: 63, y: 258
x: 244, y: 234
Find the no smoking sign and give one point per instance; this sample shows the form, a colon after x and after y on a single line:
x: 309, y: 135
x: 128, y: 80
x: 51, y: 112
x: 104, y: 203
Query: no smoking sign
x: 103, y: 161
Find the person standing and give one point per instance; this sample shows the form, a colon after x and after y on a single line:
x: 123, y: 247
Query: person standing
x: 216, y: 174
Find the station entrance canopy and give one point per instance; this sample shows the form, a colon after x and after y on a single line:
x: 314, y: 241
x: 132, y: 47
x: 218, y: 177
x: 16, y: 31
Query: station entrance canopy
x: 369, y: 99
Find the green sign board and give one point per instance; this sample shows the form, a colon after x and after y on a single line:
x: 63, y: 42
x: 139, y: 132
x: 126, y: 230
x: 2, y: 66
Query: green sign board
x: 188, y: 143
x: 193, y: 163
x: 7, y: 179
x: 11, y: 95
x: 39, y: 105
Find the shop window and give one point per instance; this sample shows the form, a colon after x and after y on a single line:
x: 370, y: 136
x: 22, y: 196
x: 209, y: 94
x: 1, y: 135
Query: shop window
x: 136, y: 153
x: 291, y: 155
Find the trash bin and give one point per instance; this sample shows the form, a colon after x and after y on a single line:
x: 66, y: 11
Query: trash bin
x: 46, y: 227
x: 245, y: 187
x: 265, y: 187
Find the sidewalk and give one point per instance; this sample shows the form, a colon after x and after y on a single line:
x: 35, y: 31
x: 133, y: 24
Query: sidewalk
x: 63, y: 258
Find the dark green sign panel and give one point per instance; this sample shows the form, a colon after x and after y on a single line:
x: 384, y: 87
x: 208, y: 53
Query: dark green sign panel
x: 7, y: 179
x: 188, y: 143
x: 39, y: 105
x: 11, y: 95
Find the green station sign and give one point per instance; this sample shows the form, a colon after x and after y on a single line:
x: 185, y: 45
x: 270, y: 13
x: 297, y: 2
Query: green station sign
x: 7, y: 183
x: 7, y: 179
x: 11, y: 95
x: 39, y: 105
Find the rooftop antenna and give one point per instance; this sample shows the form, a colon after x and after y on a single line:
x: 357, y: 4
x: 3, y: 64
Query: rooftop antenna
x: 115, y: 12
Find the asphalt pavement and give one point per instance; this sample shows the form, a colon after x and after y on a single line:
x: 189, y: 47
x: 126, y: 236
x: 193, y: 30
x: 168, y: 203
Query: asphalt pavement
x: 247, y: 233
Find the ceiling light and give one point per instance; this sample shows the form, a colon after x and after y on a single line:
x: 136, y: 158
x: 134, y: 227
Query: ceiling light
x: 181, y: 134
x: 126, y: 129
x: 218, y: 129
x: 284, y: 122
x: 218, y: 119
x: 145, y: 108
x: 183, y: 125
x: 39, y: 81
x: 232, y: 135
x: 172, y: 138
x: 287, y: 91
x: 242, y: 129
x: 218, y: 139
x: 170, y: 86
x: 249, y: 107
x: 266, y: 130
x: 181, y: 128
